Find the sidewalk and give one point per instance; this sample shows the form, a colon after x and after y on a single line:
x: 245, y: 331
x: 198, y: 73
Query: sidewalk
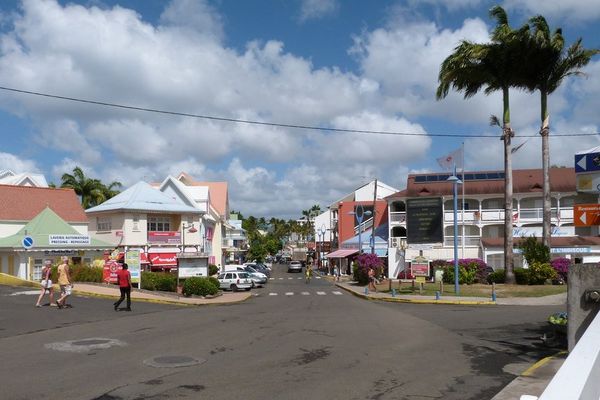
x: 112, y: 291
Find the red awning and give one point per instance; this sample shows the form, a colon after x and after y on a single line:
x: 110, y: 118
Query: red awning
x: 341, y: 253
x: 163, y: 259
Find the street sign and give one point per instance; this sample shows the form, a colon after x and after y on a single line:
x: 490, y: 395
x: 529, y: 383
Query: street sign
x: 588, y: 183
x: 419, y: 266
x: 587, y: 162
x: 27, y: 242
x: 424, y: 220
x: 586, y: 214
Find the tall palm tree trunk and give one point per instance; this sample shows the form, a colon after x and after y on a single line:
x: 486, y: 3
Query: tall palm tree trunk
x: 507, y: 135
x: 544, y: 132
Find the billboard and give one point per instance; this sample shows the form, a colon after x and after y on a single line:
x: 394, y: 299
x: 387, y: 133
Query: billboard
x: 424, y: 220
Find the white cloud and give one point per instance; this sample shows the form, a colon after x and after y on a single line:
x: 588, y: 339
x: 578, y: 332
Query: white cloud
x: 194, y: 16
x: 315, y: 9
x: 17, y: 164
x: 573, y: 10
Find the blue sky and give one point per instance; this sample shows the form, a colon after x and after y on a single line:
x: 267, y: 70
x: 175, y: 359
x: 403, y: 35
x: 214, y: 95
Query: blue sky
x: 343, y: 64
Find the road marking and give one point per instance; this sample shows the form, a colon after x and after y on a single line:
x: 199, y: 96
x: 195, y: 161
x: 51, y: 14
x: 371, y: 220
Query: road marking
x: 321, y: 293
x: 290, y: 278
x: 305, y: 293
x: 289, y: 293
x: 338, y: 293
x: 27, y: 292
x: 280, y: 279
x: 272, y: 294
x: 299, y: 277
x: 256, y: 294
x: 318, y: 277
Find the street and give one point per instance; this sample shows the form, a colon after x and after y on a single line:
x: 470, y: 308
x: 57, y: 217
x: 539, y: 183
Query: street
x: 291, y: 340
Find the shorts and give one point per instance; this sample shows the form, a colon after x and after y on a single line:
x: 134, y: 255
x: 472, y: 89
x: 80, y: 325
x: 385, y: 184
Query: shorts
x: 65, y: 289
x: 47, y: 284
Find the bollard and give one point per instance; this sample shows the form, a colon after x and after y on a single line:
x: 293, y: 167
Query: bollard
x: 493, y: 291
x: 420, y: 287
x: 393, y: 292
x: 366, y: 290
x: 442, y: 287
x: 437, y: 295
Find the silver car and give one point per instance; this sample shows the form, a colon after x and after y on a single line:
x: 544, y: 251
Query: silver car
x: 235, y: 280
x: 295, y: 266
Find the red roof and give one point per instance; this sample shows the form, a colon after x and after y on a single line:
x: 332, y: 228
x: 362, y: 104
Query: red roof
x: 524, y: 181
x: 23, y: 203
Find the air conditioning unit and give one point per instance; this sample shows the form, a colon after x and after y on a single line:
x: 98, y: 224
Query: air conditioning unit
x: 395, y: 242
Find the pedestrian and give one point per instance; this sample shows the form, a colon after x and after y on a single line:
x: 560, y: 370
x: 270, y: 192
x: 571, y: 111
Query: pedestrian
x: 65, y: 282
x: 371, y: 275
x: 46, y: 283
x: 124, y: 281
x: 336, y: 273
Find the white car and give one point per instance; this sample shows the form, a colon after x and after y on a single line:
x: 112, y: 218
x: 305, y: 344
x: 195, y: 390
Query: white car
x: 258, y: 278
x: 295, y: 266
x: 235, y: 280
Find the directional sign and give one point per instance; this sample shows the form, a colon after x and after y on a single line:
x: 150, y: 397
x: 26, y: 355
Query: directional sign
x: 588, y: 183
x: 27, y: 242
x: 587, y: 162
x: 586, y: 214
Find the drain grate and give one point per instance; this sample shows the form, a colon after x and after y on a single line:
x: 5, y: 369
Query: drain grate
x: 85, y: 345
x: 173, y: 361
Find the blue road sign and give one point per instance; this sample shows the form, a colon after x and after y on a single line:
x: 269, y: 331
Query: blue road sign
x: 587, y: 162
x: 27, y: 242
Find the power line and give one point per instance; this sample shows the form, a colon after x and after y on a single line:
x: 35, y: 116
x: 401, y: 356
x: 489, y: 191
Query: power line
x: 272, y: 124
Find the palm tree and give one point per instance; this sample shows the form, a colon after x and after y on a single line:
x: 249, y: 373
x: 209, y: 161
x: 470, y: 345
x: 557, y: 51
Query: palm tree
x: 495, y: 66
x: 111, y: 190
x: 549, y: 63
x: 90, y: 190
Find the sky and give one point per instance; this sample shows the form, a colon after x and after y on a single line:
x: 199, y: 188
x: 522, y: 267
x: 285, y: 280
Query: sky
x: 358, y: 65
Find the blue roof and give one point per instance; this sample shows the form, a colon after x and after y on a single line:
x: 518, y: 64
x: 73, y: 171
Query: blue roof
x: 143, y: 197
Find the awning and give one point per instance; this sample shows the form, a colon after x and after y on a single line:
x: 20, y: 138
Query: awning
x: 163, y: 259
x: 341, y: 253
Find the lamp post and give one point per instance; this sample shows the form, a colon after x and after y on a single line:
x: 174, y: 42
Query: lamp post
x: 455, y: 182
x: 191, y: 230
x: 359, y: 219
x: 322, y: 231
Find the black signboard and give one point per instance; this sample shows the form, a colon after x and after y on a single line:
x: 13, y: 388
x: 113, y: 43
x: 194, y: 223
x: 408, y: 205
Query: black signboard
x: 424, y: 221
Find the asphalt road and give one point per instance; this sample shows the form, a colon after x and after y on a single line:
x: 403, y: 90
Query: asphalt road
x: 290, y: 341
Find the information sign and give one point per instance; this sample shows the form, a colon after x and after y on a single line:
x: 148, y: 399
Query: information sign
x: 192, y: 266
x: 587, y: 162
x: 424, y: 221
x: 419, y: 266
x: 586, y: 214
x: 132, y: 259
x: 67, y: 240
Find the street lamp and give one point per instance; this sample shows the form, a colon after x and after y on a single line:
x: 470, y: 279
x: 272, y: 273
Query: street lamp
x: 359, y: 218
x: 322, y: 231
x: 192, y: 229
x: 455, y: 182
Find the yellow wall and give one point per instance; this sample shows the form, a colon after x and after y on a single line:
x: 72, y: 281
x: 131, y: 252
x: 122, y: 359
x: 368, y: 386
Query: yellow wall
x: 11, y: 265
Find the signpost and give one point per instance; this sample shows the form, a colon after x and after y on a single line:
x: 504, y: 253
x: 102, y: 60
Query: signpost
x: 419, y: 266
x: 192, y: 265
x: 424, y: 221
x: 588, y: 162
x: 586, y: 214
x: 132, y: 259
x: 27, y: 242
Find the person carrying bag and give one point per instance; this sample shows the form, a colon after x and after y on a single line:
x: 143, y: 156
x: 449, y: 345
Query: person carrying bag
x: 46, y: 283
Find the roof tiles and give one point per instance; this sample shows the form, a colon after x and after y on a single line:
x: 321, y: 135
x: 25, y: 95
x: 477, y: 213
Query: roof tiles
x: 23, y: 203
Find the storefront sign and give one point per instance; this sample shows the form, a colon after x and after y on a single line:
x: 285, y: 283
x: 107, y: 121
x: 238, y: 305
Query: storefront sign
x: 419, y: 267
x: 110, y: 271
x: 560, y: 250
x: 66, y: 240
x: 586, y: 214
x: 163, y: 259
x: 171, y: 237
x: 424, y: 221
x: 132, y: 259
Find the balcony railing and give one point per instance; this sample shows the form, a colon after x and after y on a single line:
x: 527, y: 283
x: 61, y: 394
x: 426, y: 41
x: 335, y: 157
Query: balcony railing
x: 366, y: 224
x: 398, y: 217
x: 469, y: 240
x: 497, y: 215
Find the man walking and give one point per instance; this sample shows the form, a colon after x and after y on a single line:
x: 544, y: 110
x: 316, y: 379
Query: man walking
x: 124, y: 281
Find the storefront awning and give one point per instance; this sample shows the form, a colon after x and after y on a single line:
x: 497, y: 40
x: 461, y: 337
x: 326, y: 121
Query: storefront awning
x: 341, y: 253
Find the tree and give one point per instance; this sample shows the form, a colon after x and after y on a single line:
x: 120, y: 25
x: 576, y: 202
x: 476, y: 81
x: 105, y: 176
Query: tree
x: 90, y: 190
x: 496, y: 66
x: 549, y: 63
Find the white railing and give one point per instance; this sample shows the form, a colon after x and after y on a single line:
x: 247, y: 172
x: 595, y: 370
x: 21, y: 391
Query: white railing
x: 366, y: 224
x: 398, y: 217
x: 579, y: 376
x: 469, y: 240
x: 497, y: 215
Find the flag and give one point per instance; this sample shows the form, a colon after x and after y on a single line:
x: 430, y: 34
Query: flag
x: 516, y: 148
x: 454, y: 158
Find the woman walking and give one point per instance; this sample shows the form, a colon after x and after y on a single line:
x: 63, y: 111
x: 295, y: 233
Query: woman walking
x: 64, y: 280
x: 46, y: 283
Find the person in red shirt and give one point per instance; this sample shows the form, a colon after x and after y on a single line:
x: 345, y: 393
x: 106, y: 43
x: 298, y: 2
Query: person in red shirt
x: 124, y: 281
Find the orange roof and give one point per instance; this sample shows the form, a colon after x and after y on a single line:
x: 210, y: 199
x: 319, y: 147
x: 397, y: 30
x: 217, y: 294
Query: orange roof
x: 218, y: 191
x: 23, y: 203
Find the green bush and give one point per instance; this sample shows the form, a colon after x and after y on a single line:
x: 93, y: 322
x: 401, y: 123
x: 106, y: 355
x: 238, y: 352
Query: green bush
x: 539, y: 273
x: 534, y: 251
x: 212, y: 269
x: 465, y: 275
x: 522, y: 276
x: 199, y: 286
x: 215, y: 281
x: 498, y: 276
x: 80, y: 273
x: 162, y: 281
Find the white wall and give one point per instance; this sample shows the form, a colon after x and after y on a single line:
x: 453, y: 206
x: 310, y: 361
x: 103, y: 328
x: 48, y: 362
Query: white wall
x: 321, y: 220
x: 366, y: 192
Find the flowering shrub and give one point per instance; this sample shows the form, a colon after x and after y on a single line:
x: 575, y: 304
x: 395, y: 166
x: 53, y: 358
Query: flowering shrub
x: 540, y: 272
x: 561, y: 266
x: 364, y: 262
x: 470, y: 270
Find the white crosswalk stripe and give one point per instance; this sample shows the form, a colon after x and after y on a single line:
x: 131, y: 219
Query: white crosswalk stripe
x: 321, y: 293
x: 299, y: 277
x: 272, y: 294
x: 290, y: 278
x: 305, y: 293
x: 289, y: 293
x: 280, y: 279
x: 336, y: 292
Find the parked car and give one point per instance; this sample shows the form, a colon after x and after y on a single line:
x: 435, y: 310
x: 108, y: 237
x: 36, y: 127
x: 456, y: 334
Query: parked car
x: 295, y: 266
x: 258, y: 278
x: 235, y: 280
x: 260, y: 268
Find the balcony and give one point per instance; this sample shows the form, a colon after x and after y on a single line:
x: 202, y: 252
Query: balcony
x: 397, y: 217
x: 164, y: 237
x: 525, y: 215
x: 472, y: 241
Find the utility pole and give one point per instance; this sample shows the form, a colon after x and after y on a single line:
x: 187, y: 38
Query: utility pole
x: 374, y: 218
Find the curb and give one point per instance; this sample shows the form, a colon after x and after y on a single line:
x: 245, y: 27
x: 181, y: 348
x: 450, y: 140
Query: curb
x: 531, y: 370
x: 419, y: 301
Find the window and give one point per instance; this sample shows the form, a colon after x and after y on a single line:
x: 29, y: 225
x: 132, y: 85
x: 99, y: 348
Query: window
x: 38, y: 263
x: 136, y: 223
x: 103, y: 224
x: 159, y: 224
